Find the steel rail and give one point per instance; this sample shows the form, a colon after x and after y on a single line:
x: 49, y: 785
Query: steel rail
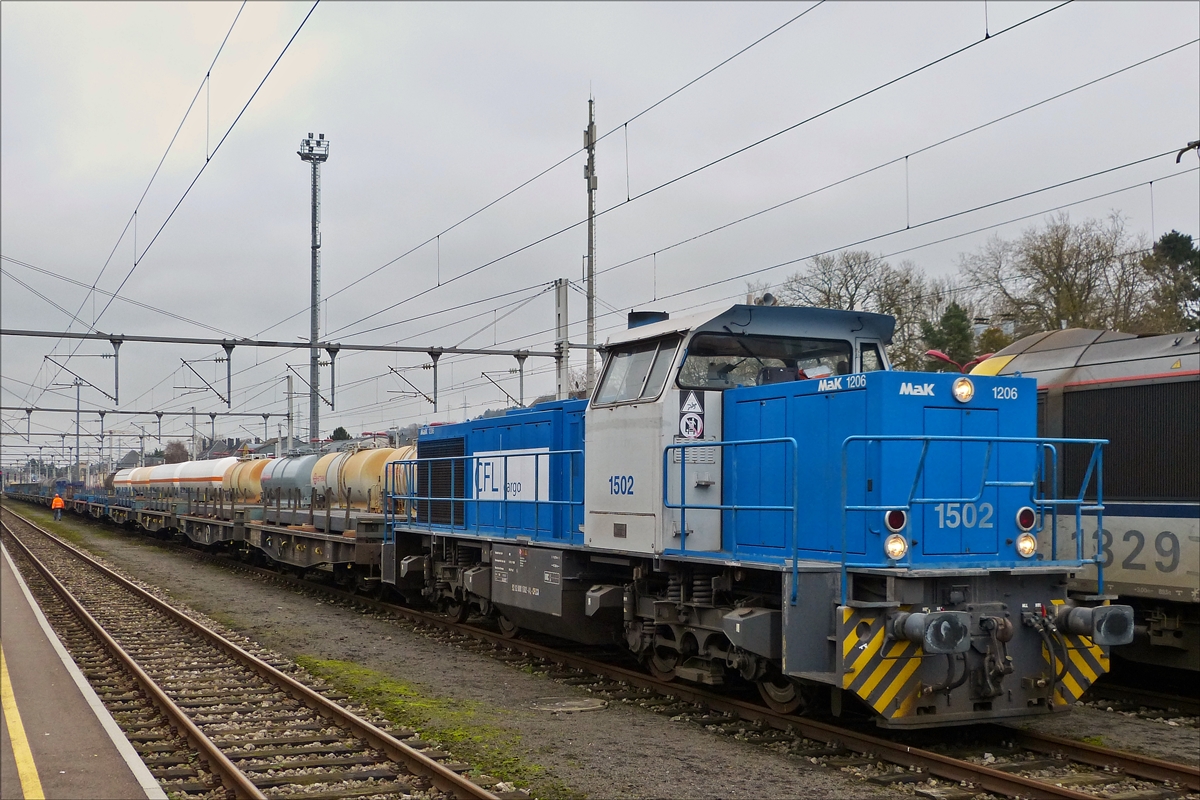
x: 443, y: 778
x: 1130, y: 763
x: 935, y: 764
x: 231, y: 777
x: 941, y: 766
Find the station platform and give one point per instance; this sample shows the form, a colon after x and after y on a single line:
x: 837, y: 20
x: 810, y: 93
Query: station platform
x: 56, y: 738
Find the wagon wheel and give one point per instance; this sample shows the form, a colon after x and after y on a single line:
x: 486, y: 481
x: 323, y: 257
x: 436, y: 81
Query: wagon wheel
x: 781, y: 694
x: 663, y: 667
x: 508, y: 628
x: 456, y: 610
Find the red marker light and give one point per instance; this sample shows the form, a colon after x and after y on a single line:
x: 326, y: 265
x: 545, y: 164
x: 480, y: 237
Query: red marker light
x: 1026, y: 518
x: 895, y: 520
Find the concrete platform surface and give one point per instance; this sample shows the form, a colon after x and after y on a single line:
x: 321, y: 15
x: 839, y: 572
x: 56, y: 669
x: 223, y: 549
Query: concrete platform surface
x: 56, y: 738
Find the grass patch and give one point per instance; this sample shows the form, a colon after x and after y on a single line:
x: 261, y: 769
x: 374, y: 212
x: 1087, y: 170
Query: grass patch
x: 1098, y: 741
x: 472, y: 731
x: 68, y: 527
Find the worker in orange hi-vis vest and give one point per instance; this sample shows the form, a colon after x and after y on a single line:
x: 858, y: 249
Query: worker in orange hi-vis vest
x: 57, y: 505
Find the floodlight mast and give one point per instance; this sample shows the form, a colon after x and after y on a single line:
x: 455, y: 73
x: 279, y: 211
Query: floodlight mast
x: 315, y: 151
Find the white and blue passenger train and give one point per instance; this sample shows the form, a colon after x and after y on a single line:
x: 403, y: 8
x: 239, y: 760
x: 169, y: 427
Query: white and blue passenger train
x: 751, y: 495
x: 1142, y: 393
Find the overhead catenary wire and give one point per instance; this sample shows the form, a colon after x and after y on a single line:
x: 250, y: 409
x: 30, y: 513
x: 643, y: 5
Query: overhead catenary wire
x: 133, y: 216
x: 712, y: 163
x: 131, y: 301
x: 619, y: 127
x: 897, y: 159
x: 437, y: 237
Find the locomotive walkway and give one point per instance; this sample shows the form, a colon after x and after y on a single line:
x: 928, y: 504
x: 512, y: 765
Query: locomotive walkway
x: 56, y: 740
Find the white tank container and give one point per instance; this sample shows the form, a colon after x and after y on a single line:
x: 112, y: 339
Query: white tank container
x: 163, y: 478
x: 122, y: 481
x: 207, y: 474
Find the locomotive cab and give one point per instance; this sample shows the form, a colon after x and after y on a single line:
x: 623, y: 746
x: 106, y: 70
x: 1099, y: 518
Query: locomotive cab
x: 662, y: 384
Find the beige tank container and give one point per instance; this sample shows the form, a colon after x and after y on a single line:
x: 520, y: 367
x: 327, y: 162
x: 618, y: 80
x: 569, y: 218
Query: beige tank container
x: 324, y: 475
x: 245, y: 480
x: 362, y: 475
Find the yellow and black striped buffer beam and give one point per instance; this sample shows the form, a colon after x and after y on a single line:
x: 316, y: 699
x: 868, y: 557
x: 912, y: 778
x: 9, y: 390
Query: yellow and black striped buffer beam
x: 881, y: 671
x: 1086, y: 661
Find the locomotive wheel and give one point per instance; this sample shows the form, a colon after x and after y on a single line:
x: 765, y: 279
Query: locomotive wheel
x: 663, y: 668
x: 781, y: 694
x: 508, y: 628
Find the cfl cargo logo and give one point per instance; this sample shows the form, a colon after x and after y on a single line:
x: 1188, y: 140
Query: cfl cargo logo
x: 919, y: 390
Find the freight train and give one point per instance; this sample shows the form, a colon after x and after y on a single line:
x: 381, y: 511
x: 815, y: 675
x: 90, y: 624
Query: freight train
x: 1142, y: 393
x: 751, y: 496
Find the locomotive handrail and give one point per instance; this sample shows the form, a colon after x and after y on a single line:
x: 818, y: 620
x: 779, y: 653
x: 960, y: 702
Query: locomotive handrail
x: 1042, y: 447
x: 683, y: 505
x: 410, y: 497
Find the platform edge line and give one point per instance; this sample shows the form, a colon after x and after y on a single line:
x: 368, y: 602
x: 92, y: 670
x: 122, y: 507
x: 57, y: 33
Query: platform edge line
x: 141, y: 772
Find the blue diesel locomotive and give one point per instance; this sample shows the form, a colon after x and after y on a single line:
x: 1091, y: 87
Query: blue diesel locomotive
x: 756, y: 493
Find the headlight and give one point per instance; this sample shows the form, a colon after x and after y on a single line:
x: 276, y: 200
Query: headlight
x: 895, y: 546
x: 963, y: 389
x: 1026, y: 545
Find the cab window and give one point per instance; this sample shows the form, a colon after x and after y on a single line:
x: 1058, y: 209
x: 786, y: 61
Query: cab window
x: 722, y: 361
x: 869, y: 358
x: 636, y: 372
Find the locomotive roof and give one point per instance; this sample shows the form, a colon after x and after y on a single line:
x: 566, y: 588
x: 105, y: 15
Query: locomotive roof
x: 1080, y: 356
x: 819, y: 323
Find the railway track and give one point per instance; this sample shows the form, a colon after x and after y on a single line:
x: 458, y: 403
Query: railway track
x: 1133, y: 698
x: 998, y: 760
x: 211, y: 717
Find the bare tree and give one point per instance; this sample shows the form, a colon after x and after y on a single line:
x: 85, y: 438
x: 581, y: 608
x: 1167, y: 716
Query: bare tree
x: 1085, y: 275
x: 846, y: 281
x: 175, y: 453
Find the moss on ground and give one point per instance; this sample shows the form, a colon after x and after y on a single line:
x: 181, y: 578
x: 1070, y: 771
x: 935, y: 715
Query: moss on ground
x: 471, y: 730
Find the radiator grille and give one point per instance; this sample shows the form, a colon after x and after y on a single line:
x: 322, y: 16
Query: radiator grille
x: 1154, y: 450
x: 441, y: 479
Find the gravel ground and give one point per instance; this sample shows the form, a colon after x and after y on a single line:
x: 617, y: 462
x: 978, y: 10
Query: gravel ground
x: 622, y: 751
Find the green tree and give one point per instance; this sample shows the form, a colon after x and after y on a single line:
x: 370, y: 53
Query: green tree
x: 1173, y: 267
x: 952, y: 335
x: 340, y: 434
x: 992, y: 340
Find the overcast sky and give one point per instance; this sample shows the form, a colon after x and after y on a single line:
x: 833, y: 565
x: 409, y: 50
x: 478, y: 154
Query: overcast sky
x: 435, y: 110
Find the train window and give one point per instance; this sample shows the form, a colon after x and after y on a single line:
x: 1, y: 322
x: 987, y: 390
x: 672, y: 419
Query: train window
x: 723, y: 361
x: 636, y: 372
x: 869, y: 358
